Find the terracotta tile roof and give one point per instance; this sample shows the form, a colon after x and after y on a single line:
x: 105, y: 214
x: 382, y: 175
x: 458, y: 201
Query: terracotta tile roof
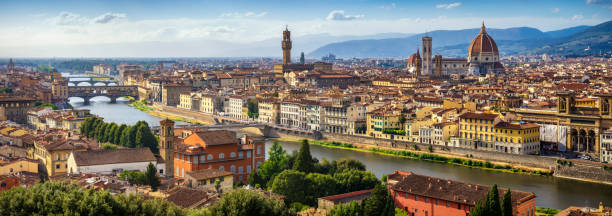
x: 113, y: 156
x: 208, y: 174
x: 445, y: 189
x: 219, y: 137
x: 333, y: 198
x: 187, y: 197
x: 473, y: 115
x: 515, y: 126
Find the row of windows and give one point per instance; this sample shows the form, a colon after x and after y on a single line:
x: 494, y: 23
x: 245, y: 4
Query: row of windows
x: 194, y: 158
x: 487, y: 137
x: 481, y: 121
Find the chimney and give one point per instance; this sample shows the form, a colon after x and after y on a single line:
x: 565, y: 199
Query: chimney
x: 476, y: 187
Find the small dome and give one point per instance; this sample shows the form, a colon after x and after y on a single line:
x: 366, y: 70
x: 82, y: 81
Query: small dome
x: 412, y: 60
x: 483, y: 43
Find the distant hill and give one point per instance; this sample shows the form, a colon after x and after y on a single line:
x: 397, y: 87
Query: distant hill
x: 454, y: 43
x: 395, y: 47
x: 566, y: 31
x: 591, y: 41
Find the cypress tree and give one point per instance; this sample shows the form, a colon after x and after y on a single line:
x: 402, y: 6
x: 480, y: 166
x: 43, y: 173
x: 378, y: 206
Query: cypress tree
x: 124, y: 137
x: 492, y: 203
x: 151, y: 178
x: 131, y: 136
x: 478, y: 209
x: 506, y: 206
x: 303, y: 162
x: 108, y: 136
x: 117, y: 134
x: 145, y: 138
x: 101, y: 131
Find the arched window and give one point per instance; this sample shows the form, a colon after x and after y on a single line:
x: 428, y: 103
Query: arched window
x: 233, y: 154
x: 233, y: 169
x: 222, y: 168
x: 221, y: 155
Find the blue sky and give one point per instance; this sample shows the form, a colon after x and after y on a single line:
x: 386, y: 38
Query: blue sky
x: 27, y: 23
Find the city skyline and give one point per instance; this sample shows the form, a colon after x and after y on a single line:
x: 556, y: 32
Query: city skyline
x: 67, y: 29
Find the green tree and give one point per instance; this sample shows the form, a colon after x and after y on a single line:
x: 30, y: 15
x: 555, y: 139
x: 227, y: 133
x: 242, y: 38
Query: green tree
x: 100, y: 131
x: 492, y: 206
x: 133, y: 177
x: 145, y: 138
x: 274, y: 165
x: 478, y: 210
x: 294, y: 186
x: 324, y: 184
x: 349, y: 209
x: 117, y: 134
x: 60, y: 198
x: 151, y: 177
x: 130, y: 138
x: 247, y: 202
x: 123, y: 140
x: 354, y: 180
x: 506, y: 204
x: 304, y: 162
x: 110, y: 131
x: 348, y: 164
x: 379, y: 202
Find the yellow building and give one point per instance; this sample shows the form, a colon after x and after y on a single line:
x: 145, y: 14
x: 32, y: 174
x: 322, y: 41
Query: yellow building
x: 517, y: 137
x: 476, y: 130
x: 53, y: 154
x: 17, y: 166
x: 382, y: 121
x: 208, y: 104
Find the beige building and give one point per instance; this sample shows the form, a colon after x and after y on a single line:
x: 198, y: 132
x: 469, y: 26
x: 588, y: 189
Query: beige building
x: 190, y: 101
x: 209, y: 104
x: 171, y: 93
x: 208, y: 178
x: 269, y: 111
x: 54, y: 152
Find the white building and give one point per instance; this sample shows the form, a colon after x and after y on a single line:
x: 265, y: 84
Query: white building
x: 290, y: 114
x: 108, y: 161
x: 605, y: 149
x: 236, y: 103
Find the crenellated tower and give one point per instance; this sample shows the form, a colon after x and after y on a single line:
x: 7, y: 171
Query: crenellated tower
x: 286, y: 45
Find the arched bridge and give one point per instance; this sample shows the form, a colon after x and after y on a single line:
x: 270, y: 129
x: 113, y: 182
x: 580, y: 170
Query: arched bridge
x: 112, y: 92
x: 91, y: 80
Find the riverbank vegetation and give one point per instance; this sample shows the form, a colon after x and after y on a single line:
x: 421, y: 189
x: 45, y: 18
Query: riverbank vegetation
x: 472, y: 163
x: 302, y: 179
x: 141, y: 105
x: 134, y: 136
x: 541, y: 211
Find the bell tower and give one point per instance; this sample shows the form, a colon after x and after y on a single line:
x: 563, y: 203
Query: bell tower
x: 427, y: 60
x: 166, y: 145
x: 286, y: 45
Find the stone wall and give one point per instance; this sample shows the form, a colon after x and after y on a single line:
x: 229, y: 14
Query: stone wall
x: 584, y: 171
x: 186, y: 113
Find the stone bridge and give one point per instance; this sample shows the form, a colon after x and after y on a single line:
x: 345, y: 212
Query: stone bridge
x: 112, y: 92
x: 91, y: 80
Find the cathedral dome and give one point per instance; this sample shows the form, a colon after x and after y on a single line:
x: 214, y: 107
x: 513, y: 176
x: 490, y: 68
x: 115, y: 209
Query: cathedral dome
x: 483, y: 44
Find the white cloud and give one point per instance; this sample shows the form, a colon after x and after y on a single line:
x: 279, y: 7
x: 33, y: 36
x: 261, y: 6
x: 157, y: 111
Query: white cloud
x: 339, y: 15
x: 388, y: 7
x: 449, y: 6
x: 67, y: 18
x: 108, y: 17
x: 249, y: 14
x: 71, y: 19
x: 555, y: 10
x: 603, y: 3
x: 577, y: 17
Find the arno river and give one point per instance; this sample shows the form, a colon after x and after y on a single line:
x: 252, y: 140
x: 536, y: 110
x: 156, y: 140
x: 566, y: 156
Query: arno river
x: 550, y: 191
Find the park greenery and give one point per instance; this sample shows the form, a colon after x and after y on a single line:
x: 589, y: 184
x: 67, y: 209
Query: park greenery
x: 134, y: 136
x: 253, y: 109
x: 61, y: 198
x: 149, y: 177
x: 38, y: 103
x: 6, y: 90
x: 394, y: 131
x: 302, y: 179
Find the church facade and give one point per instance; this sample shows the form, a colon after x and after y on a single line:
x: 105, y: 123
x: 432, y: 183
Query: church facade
x: 483, y: 58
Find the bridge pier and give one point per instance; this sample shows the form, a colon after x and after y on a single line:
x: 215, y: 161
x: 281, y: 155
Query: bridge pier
x: 113, y: 100
x: 86, y: 100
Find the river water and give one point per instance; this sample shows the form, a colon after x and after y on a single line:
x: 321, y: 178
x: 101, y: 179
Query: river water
x: 550, y: 191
